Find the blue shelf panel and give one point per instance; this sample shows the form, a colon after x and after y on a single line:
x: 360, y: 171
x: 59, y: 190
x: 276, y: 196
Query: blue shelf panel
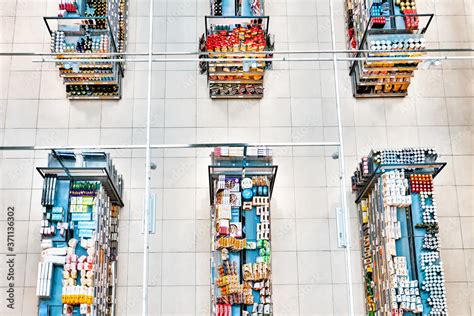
x: 235, y: 215
x: 400, y: 22
x: 61, y: 199
x: 54, y: 304
x: 251, y: 221
x: 246, y: 9
x: 251, y: 255
x: 403, y: 244
x: 417, y: 217
x: 228, y: 7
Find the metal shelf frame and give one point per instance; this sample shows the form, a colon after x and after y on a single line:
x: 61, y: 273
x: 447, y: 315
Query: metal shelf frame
x: 371, y: 31
x: 235, y: 20
x: 82, y: 29
x: 86, y: 174
x: 419, y: 168
x: 101, y: 174
x: 215, y: 170
x: 47, y: 20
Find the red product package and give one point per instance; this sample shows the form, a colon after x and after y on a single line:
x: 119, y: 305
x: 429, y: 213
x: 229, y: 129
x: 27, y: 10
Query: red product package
x: 228, y: 310
x: 223, y: 310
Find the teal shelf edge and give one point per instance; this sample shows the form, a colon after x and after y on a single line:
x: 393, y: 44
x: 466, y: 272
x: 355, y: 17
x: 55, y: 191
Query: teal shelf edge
x: 417, y: 215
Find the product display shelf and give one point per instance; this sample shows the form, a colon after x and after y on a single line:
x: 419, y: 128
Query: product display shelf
x: 69, y: 75
x: 243, y: 81
x: 236, y: 97
x: 79, y: 237
x: 83, y: 30
x: 399, y: 232
x: 386, y: 28
x: 236, y: 37
x: 231, y: 63
x: 240, y: 182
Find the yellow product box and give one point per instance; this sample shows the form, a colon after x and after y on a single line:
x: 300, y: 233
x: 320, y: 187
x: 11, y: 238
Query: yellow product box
x: 87, y: 200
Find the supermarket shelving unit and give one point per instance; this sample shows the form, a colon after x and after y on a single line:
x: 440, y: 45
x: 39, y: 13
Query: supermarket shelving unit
x: 233, y: 79
x: 226, y: 174
x: 390, y: 231
x: 87, y: 190
x: 91, y: 79
x: 381, y: 27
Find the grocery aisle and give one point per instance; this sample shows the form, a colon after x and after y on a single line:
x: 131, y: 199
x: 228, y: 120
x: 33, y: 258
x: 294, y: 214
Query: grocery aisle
x: 299, y: 105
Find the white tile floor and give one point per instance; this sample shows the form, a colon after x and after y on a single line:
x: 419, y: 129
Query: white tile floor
x: 299, y: 105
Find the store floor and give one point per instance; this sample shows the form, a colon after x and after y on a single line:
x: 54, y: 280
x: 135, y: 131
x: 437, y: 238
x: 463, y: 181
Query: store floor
x: 299, y: 105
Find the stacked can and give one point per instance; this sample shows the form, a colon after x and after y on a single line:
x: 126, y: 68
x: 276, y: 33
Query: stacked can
x: 104, y: 44
x: 401, y: 44
x: 58, y: 43
x: 411, y: 19
x: 378, y: 20
x: 217, y: 7
x: 421, y: 183
x: 434, y: 284
x: 431, y: 265
x: 404, y: 156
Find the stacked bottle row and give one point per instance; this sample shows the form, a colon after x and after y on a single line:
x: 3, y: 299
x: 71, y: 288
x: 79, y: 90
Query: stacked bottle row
x: 427, y: 224
x: 92, y: 90
x: 394, y: 44
x: 86, y: 44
